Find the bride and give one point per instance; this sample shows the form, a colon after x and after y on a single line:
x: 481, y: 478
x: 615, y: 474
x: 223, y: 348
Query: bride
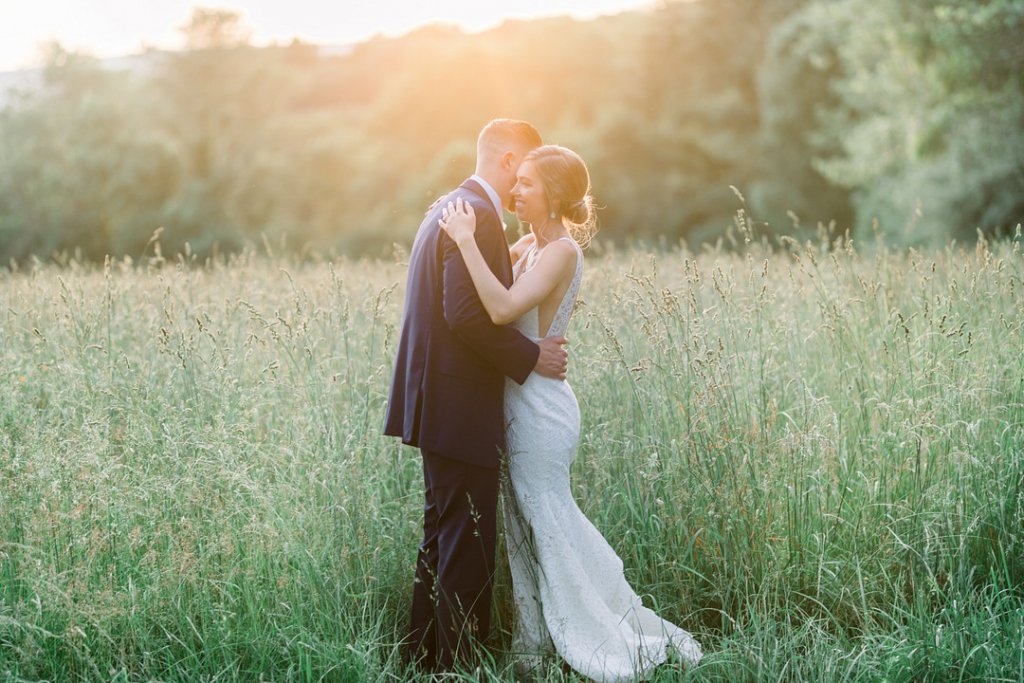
x: 570, y: 591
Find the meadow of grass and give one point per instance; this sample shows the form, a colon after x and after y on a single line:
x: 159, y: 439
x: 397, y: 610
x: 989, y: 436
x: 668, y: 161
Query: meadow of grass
x: 809, y: 455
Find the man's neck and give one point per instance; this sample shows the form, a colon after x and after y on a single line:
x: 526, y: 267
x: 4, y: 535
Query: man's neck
x: 502, y: 201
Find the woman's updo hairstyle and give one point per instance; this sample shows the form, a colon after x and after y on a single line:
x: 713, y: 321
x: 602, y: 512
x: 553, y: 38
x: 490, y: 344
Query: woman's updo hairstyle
x: 567, y: 186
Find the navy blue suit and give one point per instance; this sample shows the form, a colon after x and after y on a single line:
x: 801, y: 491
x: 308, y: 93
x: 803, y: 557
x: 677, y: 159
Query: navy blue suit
x: 447, y: 397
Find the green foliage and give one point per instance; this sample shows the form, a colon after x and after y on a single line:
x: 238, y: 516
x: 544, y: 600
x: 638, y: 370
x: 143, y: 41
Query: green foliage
x: 794, y: 89
x: 78, y: 171
x: 907, y: 116
x: 931, y: 122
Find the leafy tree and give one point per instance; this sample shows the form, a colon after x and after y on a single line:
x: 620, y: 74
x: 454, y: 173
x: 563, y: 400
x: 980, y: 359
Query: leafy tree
x: 908, y: 113
x: 800, y: 64
x: 79, y: 172
x: 931, y: 117
x: 214, y: 29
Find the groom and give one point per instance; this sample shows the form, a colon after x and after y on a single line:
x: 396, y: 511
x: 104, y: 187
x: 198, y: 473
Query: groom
x: 447, y: 398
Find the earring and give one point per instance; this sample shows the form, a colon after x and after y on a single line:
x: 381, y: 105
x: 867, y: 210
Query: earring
x: 553, y: 215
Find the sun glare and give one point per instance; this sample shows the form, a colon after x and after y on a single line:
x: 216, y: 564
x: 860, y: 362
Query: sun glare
x: 109, y: 28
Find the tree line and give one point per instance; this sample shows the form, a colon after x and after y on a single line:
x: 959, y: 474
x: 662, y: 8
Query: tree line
x: 880, y: 117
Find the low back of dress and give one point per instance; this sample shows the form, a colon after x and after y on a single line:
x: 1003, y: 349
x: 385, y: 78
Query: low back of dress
x: 529, y: 323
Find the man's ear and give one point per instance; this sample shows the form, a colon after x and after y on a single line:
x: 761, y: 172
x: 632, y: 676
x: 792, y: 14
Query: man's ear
x: 508, y: 160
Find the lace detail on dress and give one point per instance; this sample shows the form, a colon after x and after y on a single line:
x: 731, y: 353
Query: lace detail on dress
x: 568, y: 584
x: 529, y: 323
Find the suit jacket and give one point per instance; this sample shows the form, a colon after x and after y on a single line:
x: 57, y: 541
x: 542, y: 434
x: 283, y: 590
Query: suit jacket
x: 447, y: 392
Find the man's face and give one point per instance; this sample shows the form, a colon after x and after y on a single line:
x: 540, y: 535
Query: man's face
x: 514, y: 159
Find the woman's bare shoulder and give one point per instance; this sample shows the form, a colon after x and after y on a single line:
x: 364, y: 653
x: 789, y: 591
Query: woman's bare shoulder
x: 560, y: 253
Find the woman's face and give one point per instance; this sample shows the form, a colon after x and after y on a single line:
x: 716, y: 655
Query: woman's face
x: 531, y: 202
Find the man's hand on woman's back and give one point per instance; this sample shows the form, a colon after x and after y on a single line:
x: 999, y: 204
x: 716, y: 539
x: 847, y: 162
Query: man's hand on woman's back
x: 553, y: 360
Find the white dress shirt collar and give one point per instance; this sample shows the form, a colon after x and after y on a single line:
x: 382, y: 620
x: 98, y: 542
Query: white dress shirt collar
x: 495, y: 199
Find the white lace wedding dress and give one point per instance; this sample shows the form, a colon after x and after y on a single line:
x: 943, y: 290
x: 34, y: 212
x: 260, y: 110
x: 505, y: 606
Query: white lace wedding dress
x: 570, y: 592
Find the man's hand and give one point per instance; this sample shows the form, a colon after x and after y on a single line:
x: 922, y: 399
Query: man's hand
x: 553, y: 359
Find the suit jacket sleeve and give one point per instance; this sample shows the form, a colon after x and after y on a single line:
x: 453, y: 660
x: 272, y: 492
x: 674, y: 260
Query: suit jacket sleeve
x: 501, y: 345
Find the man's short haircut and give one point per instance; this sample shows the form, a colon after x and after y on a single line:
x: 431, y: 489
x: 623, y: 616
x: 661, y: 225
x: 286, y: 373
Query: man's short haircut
x: 503, y: 134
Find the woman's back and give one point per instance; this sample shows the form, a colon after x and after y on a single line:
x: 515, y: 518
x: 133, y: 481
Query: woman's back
x: 552, y: 315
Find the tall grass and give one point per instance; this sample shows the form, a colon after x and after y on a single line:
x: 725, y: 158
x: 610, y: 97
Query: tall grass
x: 809, y: 455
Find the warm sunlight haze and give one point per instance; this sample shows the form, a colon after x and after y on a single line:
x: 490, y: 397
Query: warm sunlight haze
x: 720, y: 380
x: 118, y: 27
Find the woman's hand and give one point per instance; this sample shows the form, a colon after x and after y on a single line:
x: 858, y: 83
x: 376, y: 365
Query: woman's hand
x: 459, y: 221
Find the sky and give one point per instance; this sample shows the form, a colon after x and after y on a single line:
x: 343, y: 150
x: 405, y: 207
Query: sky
x: 111, y: 28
